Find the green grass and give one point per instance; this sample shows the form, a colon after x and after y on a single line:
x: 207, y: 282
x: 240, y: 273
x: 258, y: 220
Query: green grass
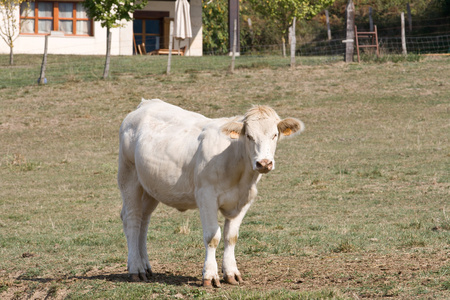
x: 73, y: 69
x: 394, y: 58
x: 357, y: 207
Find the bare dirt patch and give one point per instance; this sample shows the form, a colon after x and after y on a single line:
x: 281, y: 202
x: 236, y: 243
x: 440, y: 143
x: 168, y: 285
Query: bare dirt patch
x: 362, y: 275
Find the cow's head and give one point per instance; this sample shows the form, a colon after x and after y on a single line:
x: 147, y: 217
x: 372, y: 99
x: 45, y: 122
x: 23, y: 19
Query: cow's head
x: 260, y: 130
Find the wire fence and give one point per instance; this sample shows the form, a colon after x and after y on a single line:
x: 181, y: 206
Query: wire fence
x: 72, y: 68
x: 387, y: 45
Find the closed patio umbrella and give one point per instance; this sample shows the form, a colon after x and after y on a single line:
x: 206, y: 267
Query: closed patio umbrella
x: 182, y: 22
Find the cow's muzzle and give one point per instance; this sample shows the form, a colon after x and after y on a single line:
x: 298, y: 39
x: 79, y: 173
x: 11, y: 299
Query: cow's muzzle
x: 264, y: 166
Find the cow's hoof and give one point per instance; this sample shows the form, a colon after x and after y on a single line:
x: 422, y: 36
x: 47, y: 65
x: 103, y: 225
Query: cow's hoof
x: 207, y: 283
x: 141, y: 276
x: 234, y: 280
x: 135, y: 278
x: 211, y: 283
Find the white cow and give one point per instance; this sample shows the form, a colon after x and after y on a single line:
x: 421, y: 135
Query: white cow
x: 187, y: 161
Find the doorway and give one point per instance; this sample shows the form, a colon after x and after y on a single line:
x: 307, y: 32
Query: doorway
x: 149, y: 29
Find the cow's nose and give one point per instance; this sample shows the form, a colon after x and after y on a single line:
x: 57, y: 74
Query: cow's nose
x: 264, y: 166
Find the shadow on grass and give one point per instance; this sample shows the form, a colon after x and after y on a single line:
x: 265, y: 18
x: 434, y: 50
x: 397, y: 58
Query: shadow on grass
x: 163, y: 278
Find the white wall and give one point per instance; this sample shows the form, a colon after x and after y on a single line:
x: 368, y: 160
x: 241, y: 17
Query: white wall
x: 197, y: 32
x: 122, y: 38
x: 92, y: 45
x: 121, y: 43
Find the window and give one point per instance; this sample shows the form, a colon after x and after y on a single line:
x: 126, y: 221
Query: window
x: 42, y: 17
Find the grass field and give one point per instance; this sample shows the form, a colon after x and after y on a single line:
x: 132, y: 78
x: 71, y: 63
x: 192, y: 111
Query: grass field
x: 358, y: 207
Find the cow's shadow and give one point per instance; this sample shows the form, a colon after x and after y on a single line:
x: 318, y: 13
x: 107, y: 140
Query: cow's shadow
x: 165, y: 278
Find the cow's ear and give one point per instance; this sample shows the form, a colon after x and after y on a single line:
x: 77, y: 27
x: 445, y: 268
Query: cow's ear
x: 233, y: 129
x: 290, y: 127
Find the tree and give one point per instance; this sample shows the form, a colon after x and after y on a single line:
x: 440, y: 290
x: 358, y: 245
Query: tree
x: 10, y: 27
x: 215, y: 26
x: 428, y: 16
x: 387, y: 9
x: 110, y: 13
x: 283, y: 12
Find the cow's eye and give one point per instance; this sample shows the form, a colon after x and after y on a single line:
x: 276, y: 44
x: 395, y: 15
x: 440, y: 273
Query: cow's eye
x: 250, y: 138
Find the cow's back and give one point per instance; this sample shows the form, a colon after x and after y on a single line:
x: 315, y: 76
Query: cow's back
x: 156, y: 119
x: 159, y: 110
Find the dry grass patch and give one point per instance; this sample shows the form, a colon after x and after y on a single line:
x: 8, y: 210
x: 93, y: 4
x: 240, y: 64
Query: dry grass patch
x: 357, y: 207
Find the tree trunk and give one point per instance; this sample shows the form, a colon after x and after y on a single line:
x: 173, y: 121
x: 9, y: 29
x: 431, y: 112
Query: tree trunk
x: 233, y: 15
x: 233, y: 49
x: 108, y: 52
x: 11, y: 56
x: 42, y: 79
x: 292, y: 42
x: 283, y: 45
x: 408, y: 8
x: 328, y: 24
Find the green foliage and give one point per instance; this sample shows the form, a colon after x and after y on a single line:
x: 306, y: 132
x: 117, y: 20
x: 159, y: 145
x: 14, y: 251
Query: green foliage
x: 256, y: 30
x: 386, y: 14
x: 215, y: 26
x: 9, y: 26
x: 110, y: 12
x: 283, y: 12
x: 262, y: 23
x: 389, y: 7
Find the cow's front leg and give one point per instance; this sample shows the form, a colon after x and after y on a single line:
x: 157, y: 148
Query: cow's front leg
x: 211, y: 239
x: 230, y: 271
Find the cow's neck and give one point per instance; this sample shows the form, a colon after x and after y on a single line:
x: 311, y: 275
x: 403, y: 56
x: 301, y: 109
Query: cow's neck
x: 242, y: 190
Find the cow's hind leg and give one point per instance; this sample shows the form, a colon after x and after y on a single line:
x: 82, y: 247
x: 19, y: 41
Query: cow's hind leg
x: 149, y: 204
x: 136, y: 211
x: 135, y: 225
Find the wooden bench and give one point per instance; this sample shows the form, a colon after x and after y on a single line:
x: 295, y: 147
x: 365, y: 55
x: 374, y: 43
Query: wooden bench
x: 166, y: 52
x: 140, y: 49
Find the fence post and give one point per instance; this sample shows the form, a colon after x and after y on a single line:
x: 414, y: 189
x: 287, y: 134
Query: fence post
x: 350, y: 32
x: 233, y: 55
x: 42, y: 79
x: 402, y: 16
x: 293, y: 42
x: 328, y: 24
x: 370, y: 19
x: 169, y: 62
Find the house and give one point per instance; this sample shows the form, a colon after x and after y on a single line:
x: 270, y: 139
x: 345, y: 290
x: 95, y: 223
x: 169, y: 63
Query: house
x: 72, y: 32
